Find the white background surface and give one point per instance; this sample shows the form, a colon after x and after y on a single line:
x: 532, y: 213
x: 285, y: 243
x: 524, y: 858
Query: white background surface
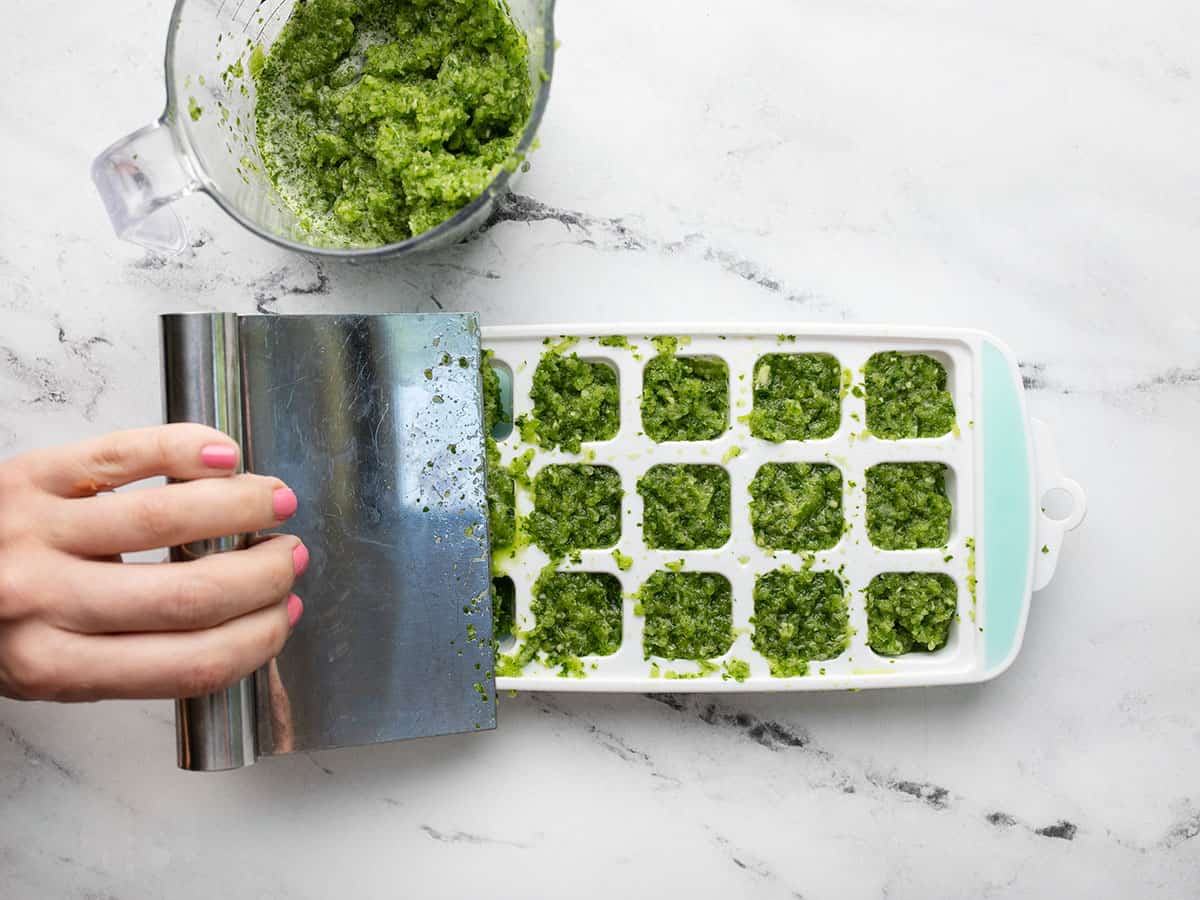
x: 1027, y: 168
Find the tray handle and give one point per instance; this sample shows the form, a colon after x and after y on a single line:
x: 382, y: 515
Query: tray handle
x: 1051, y: 531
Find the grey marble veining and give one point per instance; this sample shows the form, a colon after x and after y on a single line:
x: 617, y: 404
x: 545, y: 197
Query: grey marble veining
x: 1025, y: 168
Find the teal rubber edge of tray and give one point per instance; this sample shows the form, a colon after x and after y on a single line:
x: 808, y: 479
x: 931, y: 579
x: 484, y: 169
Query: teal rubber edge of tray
x: 1007, y: 507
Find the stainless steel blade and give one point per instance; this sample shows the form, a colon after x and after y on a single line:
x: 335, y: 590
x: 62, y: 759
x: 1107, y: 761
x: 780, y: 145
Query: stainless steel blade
x: 376, y: 423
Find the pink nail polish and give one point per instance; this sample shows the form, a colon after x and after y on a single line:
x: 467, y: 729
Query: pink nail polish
x: 284, y: 503
x: 219, y: 456
x: 300, y: 559
x: 295, y: 607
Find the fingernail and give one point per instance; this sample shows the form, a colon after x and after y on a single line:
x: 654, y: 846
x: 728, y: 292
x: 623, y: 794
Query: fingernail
x: 295, y: 610
x: 219, y: 456
x: 300, y: 559
x: 284, y: 503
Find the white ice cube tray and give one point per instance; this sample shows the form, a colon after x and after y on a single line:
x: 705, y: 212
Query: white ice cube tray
x: 992, y: 478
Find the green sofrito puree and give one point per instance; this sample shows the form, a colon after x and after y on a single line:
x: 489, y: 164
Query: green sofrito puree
x: 501, y: 492
x: 684, y: 398
x: 907, y: 396
x: 907, y: 506
x: 379, y: 119
x: 797, y: 506
x: 797, y: 397
x: 574, y: 400
x: 910, y: 611
x: 577, y: 614
x: 686, y: 507
x: 689, y: 615
x: 798, y: 617
x: 504, y: 601
x: 575, y: 507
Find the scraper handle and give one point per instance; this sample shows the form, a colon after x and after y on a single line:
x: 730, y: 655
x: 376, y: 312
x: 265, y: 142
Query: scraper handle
x: 202, y: 383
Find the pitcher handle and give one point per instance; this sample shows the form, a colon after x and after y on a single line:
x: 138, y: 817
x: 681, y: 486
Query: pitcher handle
x: 138, y: 177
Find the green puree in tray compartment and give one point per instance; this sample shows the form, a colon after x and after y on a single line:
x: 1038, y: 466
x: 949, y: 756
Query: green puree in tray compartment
x: 797, y: 506
x: 501, y: 494
x: 379, y: 119
x: 574, y: 400
x: 797, y: 397
x: 798, y: 617
x: 910, y: 611
x: 575, y: 507
x: 686, y: 507
x: 689, y: 615
x: 504, y: 600
x: 684, y: 398
x: 575, y: 614
x: 907, y: 506
x: 907, y: 396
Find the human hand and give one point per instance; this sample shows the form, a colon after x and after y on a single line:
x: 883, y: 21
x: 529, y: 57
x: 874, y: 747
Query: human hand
x: 76, y: 623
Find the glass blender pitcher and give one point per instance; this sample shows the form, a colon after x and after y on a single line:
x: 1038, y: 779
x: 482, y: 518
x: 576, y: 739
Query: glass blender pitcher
x: 205, y: 138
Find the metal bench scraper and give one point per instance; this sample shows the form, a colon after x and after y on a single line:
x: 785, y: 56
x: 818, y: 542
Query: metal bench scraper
x: 376, y: 423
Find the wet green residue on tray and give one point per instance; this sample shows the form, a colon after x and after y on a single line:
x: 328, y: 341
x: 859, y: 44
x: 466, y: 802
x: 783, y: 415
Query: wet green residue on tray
x: 907, y: 506
x: 704, y: 668
x: 797, y: 506
x: 797, y: 397
x: 575, y: 614
x: 907, y: 396
x: 799, y: 617
x: 909, y: 611
x: 736, y: 669
x: 574, y: 400
x: 684, y: 398
x: 519, y: 469
x: 575, y: 507
x: 379, y: 119
x: 972, y: 579
x: 686, y: 507
x: 616, y: 340
x: 689, y: 615
x: 501, y: 491
x: 493, y: 403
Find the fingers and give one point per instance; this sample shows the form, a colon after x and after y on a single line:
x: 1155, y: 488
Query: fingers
x: 129, y: 521
x: 103, y: 598
x: 182, y: 451
x: 45, y: 663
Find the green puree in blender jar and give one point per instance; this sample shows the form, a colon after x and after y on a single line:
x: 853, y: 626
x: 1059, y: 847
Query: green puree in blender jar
x: 379, y: 119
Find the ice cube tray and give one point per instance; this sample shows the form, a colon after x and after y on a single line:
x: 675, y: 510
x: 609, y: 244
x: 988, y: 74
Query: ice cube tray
x: 999, y: 466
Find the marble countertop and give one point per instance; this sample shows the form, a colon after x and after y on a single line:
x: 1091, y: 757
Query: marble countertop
x: 1026, y: 168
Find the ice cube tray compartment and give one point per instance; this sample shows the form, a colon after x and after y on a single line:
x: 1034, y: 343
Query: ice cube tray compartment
x: 631, y: 453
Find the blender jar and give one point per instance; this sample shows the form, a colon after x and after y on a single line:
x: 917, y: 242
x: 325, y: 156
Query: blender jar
x: 205, y: 138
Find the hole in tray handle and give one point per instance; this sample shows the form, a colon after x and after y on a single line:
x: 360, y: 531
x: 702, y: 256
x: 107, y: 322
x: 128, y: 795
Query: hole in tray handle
x: 1062, y: 504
